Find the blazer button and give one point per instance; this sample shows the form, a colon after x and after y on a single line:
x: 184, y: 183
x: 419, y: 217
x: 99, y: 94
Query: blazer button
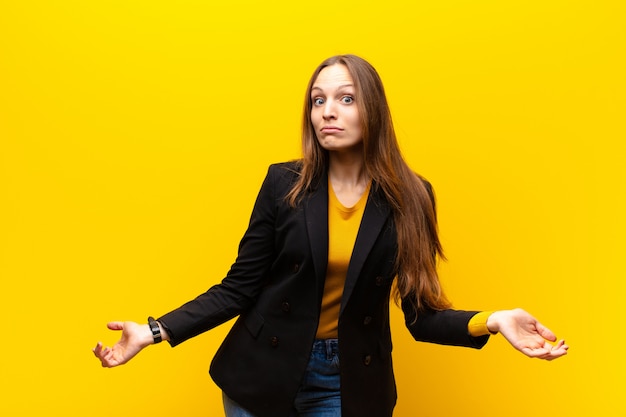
x: 296, y: 268
x: 379, y: 281
x: 285, y: 307
x: 367, y: 320
x: 367, y: 360
x: 274, y: 341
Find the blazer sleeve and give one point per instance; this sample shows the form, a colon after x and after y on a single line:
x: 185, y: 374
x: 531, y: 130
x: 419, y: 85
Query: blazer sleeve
x: 445, y: 327
x: 245, y: 279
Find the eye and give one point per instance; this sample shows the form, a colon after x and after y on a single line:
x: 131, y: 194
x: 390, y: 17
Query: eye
x: 318, y: 101
x: 347, y: 99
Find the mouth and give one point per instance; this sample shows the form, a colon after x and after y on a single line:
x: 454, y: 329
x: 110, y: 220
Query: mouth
x: 331, y: 129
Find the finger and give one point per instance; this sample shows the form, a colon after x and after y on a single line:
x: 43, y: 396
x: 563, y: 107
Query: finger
x: 541, y: 351
x: 534, y: 351
x: 545, y: 332
x: 105, y: 353
x: 560, y: 348
x: 102, y: 356
x: 549, y: 352
x: 107, y: 358
x: 556, y: 354
x: 100, y: 351
x: 106, y: 363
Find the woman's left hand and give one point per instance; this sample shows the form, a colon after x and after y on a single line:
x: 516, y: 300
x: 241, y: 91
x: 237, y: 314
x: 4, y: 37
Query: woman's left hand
x: 526, y: 334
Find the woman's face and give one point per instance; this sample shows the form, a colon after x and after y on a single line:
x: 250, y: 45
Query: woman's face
x: 334, y: 112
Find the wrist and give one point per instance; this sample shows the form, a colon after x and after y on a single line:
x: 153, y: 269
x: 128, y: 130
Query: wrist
x: 493, y: 323
x: 164, y: 335
x: 146, y: 335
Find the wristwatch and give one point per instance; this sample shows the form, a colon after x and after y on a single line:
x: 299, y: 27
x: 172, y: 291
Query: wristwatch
x: 156, y: 330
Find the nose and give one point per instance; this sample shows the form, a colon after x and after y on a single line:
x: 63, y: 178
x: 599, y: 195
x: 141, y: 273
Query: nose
x: 329, y: 111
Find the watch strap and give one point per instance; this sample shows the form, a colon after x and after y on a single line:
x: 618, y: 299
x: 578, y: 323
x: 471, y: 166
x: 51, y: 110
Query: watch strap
x: 155, y: 329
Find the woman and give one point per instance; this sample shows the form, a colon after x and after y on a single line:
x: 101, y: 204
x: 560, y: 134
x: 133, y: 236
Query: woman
x: 327, y: 238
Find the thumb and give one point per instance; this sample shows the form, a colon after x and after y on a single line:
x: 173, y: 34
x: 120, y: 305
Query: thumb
x: 115, y: 325
x: 545, y: 332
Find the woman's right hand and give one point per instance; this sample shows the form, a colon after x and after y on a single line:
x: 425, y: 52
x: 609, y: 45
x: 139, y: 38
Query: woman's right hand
x: 134, y: 338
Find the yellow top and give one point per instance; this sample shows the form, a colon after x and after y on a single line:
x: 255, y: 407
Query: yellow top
x: 477, y: 325
x: 343, y: 226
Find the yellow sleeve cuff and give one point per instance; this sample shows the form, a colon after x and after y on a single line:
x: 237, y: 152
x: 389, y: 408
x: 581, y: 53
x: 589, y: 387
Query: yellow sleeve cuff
x: 477, y: 325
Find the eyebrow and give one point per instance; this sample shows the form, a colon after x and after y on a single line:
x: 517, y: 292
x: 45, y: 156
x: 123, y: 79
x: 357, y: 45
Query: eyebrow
x: 338, y: 88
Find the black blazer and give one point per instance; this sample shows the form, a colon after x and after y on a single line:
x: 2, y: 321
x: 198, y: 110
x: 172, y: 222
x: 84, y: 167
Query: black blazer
x: 276, y: 285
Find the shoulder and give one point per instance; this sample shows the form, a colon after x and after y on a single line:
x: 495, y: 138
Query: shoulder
x: 288, y: 171
x: 293, y: 167
x: 282, y: 176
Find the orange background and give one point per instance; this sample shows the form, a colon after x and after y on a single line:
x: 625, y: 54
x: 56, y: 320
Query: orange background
x: 120, y: 123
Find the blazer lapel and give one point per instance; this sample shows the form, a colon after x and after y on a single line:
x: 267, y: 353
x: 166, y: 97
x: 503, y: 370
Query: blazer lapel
x: 376, y: 212
x: 316, y: 216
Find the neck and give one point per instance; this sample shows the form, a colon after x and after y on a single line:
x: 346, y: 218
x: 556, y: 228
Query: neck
x: 347, y: 169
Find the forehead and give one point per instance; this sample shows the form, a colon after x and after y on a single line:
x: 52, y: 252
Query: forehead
x: 333, y: 76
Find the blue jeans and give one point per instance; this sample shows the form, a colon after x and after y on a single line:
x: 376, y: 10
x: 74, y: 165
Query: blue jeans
x: 319, y: 393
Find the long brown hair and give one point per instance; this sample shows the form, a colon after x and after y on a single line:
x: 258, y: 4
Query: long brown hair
x: 408, y: 194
